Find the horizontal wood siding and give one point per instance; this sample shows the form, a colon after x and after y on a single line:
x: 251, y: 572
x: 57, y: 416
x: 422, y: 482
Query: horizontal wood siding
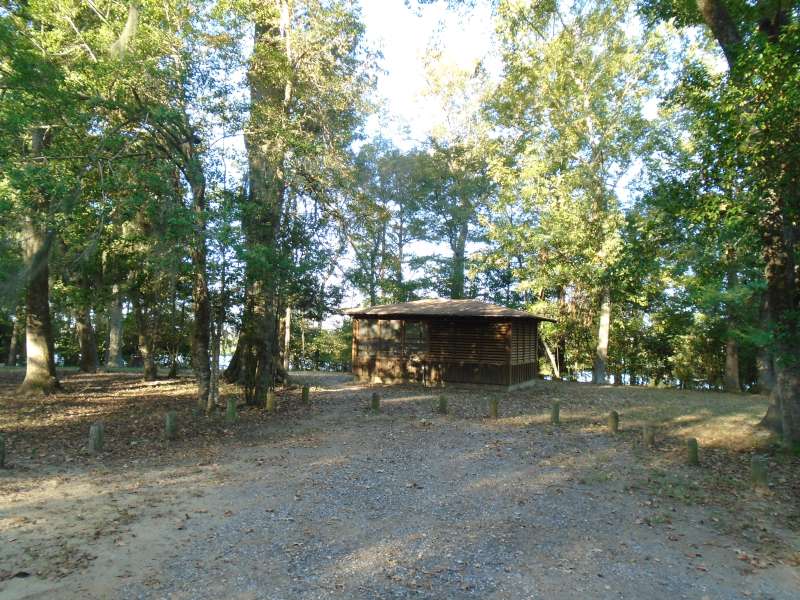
x: 523, y: 343
x: 524, y: 351
x: 440, y: 350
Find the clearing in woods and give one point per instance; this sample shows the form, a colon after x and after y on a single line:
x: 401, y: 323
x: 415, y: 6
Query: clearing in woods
x: 333, y: 500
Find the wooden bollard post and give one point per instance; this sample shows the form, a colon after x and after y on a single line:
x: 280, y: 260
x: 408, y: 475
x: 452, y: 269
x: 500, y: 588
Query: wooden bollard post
x: 96, y: 438
x: 693, y: 452
x: 442, y: 405
x: 649, y: 435
x: 555, y: 413
x: 613, y: 422
x: 375, y: 404
x: 306, y: 395
x: 270, y: 403
x: 494, y: 407
x: 230, y: 414
x: 171, y: 425
x: 759, y: 472
x: 2, y: 451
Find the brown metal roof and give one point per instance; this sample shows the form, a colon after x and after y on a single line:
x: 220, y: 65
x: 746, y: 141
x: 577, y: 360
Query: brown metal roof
x: 443, y: 308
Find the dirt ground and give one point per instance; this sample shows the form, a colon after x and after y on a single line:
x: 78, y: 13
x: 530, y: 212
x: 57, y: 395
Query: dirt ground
x: 334, y: 501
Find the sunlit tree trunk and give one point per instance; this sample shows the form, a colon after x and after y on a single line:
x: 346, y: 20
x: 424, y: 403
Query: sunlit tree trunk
x: 287, y: 338
x: 114, y: 349
x: 40, y: 368
x: 601, y: 352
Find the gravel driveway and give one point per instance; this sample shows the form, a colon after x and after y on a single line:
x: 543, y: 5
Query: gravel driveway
x: 411, y: 504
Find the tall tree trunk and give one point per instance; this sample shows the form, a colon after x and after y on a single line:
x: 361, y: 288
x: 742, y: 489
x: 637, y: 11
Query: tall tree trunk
x: 287, y: 338
x: 782, y: 300
x: 16, y: 333
x: 40, y: 368
x: 216, y: 340
x: 766, y: 371
x: 457, y: 276
x: 114, y: 349
x: 86, y: 341
x: 233, y: 371
x: 601, y: 352
x: 730, y: 382
x: 263, y: 214
x: 40, y: 372
x: 202, y: 304
x: 145, y: 337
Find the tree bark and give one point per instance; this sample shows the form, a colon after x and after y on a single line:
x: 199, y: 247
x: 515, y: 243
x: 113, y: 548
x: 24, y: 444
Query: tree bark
x: 233, y: 371
x: 113, y: 352
x: 86, y: 341
x: 782, y: 301
x: 287, y: 338
x: 766, y: 371
x: 202, y: 304
x: 730, y: 382
x: 40, y: 372
x: 457, y: 277
x: 716, y: 16
x: 145, y: 337
x: 601, y: 352
x: 263, y: 213
x: 216, y: 339
x: 40, y: 368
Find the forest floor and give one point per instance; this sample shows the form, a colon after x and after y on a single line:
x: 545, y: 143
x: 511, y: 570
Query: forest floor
x: 333, y: 501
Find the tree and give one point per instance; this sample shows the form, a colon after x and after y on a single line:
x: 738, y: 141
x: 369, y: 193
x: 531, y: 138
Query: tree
x: 571, y: 103
x: 306, y: 79
x: 754, y: 109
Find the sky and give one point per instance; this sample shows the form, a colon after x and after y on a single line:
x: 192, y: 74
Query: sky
x: 403, y: 34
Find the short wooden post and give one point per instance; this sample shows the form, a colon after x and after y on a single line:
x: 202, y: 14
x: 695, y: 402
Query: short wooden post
x: 270, y: 403
x: 693, y: 452
x: 494, y: 407
x: 442, y: 405
x: 375, y: 405
x: 306, y: 394
x: 171, y: 425
x: 759, y: 472
x: 96, y: 438
x: 2, y: 451
x: 555, y: 413
x: 649, y: 435
x: 230, y: 414
x: 613, y: 422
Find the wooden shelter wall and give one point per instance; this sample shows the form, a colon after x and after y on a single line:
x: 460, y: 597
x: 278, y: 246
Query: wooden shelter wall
x: 524, y: 351
x: 441, y: 350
